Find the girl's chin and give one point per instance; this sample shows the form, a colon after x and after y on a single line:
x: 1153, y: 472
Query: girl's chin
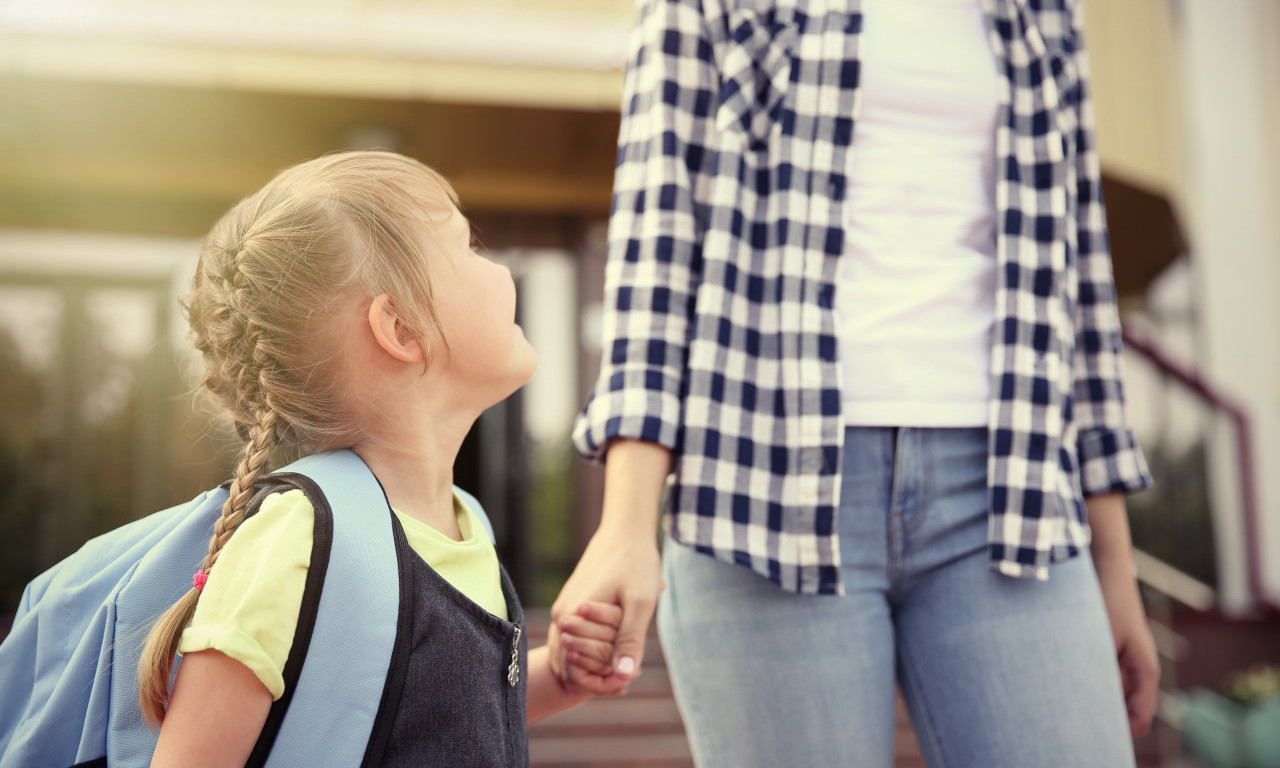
x: 530, y: 365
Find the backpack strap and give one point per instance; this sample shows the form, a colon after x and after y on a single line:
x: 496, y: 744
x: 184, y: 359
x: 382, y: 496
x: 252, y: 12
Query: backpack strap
x: 313, y: 587
x: 357, y: 627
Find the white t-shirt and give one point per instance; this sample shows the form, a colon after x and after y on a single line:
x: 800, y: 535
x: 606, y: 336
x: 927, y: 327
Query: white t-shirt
x: 915, y: 299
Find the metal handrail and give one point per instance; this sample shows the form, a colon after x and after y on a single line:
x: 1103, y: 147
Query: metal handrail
x: 1244, y: 449
x: 1186, y: 589
x: 1170, y: 584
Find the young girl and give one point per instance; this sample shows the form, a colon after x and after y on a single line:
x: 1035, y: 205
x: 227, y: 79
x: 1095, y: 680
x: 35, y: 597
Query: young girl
x: 342, y: 306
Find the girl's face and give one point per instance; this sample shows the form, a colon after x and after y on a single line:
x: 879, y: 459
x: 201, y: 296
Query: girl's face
x: 475, y: 302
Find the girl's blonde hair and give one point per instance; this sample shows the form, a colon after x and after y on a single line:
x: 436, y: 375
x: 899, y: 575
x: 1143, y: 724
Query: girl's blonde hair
x: 272, y: 271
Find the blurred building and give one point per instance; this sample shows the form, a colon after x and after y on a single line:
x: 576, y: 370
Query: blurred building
x: 128, y: 126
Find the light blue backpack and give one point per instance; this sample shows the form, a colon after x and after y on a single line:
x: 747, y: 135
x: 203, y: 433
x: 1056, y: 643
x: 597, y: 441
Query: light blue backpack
x: 68, y: 689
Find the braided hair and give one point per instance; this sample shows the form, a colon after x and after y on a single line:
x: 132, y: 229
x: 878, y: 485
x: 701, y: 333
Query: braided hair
x: 273, y: 274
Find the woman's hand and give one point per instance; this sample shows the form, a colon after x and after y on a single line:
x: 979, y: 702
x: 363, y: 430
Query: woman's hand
x: 1112, y: 553
x: 621, y: 565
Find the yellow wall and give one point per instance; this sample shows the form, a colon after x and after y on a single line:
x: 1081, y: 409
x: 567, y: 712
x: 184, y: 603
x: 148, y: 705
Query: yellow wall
x: 1136, y: 85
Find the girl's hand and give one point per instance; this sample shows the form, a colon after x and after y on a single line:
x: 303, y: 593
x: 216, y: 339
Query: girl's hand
x: 587, y: 637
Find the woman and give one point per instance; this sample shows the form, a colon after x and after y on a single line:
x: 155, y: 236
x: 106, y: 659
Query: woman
x: 859, y: 304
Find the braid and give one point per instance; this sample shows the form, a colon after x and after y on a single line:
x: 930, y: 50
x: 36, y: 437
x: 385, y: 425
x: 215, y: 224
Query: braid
x: 253, y: 464
x: 252, y: 383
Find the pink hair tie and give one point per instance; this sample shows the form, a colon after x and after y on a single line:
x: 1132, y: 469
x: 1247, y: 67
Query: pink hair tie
x: 198, y: 580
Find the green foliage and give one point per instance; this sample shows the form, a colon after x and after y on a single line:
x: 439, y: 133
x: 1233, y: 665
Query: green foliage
x: 69, y: 472
x: 551, y: 522
x: 21, y: 472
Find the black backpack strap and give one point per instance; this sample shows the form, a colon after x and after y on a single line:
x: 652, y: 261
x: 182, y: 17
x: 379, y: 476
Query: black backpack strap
x: 321, y: 543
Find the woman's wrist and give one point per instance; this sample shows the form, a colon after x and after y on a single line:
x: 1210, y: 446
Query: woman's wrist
x: 625, y: 523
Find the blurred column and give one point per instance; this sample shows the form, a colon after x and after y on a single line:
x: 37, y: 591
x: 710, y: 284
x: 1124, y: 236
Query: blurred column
x: 591, y: 263
x: 1232, y: 89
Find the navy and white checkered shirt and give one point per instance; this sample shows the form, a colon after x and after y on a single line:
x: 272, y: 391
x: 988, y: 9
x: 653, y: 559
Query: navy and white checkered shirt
x: 726, y: 231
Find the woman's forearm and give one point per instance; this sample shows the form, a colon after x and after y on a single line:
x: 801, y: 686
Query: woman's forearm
x: 635, y: 476
x: 1111, y: 544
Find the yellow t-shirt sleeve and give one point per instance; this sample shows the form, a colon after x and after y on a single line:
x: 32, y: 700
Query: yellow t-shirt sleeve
x: 249, y: 607
x: 250, y: 604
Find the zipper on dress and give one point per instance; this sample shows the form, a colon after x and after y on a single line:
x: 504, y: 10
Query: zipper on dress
x: 513, y: 671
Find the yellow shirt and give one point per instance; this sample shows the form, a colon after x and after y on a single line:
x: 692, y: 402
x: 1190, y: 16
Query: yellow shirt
x: 250, y: 604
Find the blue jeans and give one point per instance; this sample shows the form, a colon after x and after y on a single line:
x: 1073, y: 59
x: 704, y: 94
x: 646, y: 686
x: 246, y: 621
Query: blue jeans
x: 995, y: 671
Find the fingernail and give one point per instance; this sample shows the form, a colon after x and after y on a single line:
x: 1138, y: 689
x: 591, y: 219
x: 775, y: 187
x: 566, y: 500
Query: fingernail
x: 625, y: 666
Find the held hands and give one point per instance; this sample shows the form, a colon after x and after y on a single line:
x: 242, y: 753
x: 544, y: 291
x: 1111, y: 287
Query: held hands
x: 626, y: 578
x: 587, y: 638
x: 585, y: 654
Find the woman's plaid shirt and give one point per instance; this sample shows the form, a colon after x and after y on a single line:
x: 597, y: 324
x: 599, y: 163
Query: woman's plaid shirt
x: 723, y: 245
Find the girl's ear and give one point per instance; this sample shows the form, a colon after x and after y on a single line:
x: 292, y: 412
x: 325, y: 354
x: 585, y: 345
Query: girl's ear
x: 391, y: 333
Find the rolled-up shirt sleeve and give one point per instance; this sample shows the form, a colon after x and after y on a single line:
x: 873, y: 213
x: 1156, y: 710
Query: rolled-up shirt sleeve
x: 249, y: 606
x: 655, y: 230
x: 1110, y: 459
